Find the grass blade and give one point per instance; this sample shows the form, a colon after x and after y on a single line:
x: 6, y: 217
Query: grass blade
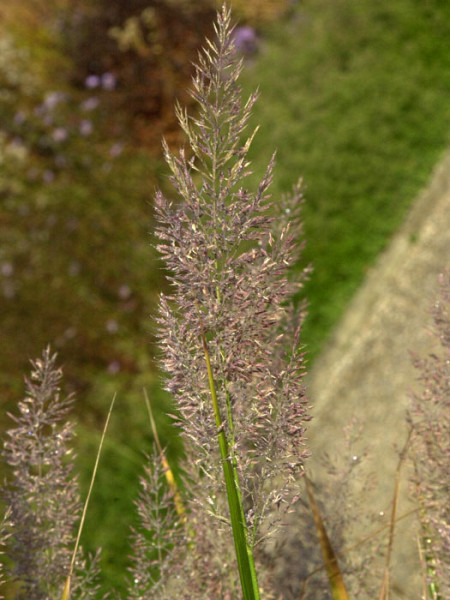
x: 357, y: 545
x: 335, y: 578
x: 384, y: 592
x: 66, y: 591
x: 177, y: 499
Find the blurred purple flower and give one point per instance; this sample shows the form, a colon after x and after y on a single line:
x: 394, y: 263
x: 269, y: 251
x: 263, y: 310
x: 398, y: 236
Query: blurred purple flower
x: 72, y: 224
x: 108, y: 81
x: 47, y: 120
x: 59, y: 134
x: 7, y: 269
x: 74, y: 268
x: 60, y: 161
x: 19, y: 117
x: 114, y: 367
x: 53, y: 99
x: 8, y: 290
x: 70, y: 333
x: 90, y: 103
x: 17, y: 142
x: 92, y: 81
x: 48, y: 176
x: 245, y: 39
x: 112, y: 326
x: 86, y: 127
x: 116, y: 149
x: 124, y: 292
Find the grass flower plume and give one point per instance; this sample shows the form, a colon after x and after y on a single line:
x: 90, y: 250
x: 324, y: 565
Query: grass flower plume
x: 235, y: 375
x: 42, y: 494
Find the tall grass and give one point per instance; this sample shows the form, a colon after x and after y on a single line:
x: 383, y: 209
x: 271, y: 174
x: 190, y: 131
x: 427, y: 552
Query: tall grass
x: 230, y: 342
x: 354, y: 98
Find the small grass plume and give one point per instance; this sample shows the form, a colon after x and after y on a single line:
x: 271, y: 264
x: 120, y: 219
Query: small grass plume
x: 43, y: 493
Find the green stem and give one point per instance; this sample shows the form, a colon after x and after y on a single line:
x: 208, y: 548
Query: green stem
x: 244, y: 555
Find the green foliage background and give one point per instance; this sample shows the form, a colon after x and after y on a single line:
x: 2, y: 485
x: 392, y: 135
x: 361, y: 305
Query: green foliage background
x: 354, y: 97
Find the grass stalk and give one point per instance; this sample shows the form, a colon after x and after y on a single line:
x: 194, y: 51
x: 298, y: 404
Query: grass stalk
x: 244, y: 555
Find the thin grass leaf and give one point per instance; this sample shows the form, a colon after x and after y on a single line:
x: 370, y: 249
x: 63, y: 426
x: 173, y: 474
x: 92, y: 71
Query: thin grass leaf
x: 384, y: 591
x: 168, y: 473
x: 335, y: 578
x: 67, y: 586
x: 357, y: 545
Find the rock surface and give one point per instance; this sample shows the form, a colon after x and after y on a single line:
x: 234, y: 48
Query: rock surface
x: 366, y: 370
